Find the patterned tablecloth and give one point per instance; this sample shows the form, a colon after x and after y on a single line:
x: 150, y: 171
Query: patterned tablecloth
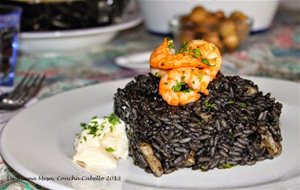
x: 274, y: 53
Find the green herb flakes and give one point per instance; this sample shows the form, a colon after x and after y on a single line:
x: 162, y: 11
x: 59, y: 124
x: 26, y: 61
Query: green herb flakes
x: 83, y: 125
x: 109, y: 149
x: 230, y: 102
x: 111, y: 128
x: 197, y: 53
x: 183, y: 48
x: 206, y: 62
x: 200, y: 78
x: 113, y: 119
x: 200, y: 122
x: 202, y: 169
x: 242, y: 105
x: 178, y: 86
x: 93, y: 130
x: 187, y: 90
x: 227, y: 166
x: 245, y: 118
x: 209, y: 106
x: 171, y: 44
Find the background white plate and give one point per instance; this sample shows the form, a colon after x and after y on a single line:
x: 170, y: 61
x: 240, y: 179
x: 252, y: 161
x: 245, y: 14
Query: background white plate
x: 39, y: 142
x: 57, y: 41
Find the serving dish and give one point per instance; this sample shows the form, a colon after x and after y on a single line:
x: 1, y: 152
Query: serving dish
x: 43, y: 146
x: 69, y: 40
x: 262, y: 12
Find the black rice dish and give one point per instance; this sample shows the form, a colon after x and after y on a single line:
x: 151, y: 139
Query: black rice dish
x: 236, y: 124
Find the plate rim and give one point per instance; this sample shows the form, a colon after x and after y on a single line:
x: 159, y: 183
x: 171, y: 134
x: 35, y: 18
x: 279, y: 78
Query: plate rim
x: 25, y: 172
x: 137, y: 19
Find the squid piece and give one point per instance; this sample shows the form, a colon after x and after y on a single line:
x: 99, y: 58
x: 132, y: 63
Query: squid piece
x: 153, y: 162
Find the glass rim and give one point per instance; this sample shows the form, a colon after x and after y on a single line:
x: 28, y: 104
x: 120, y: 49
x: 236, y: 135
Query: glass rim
x: 12, y: 9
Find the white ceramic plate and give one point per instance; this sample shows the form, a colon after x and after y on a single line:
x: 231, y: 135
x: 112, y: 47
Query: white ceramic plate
x: 39, y: 142
x: 57, y: 41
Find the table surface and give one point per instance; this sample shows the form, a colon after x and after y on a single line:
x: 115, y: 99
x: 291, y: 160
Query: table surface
x: 274, y: 53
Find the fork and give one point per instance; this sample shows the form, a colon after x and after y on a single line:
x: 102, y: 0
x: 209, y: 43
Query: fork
x: 24, y: 91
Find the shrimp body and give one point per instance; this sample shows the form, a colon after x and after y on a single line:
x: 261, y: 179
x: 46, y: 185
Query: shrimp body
x: 164, y: 57
x: 182, y: 86
x: 196, y: 53
x: 209, y: 55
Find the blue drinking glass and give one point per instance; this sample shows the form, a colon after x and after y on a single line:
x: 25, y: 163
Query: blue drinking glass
x: 10, y: 17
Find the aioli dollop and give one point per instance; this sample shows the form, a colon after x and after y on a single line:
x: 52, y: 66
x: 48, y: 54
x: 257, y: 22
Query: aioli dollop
x: 100, y: 144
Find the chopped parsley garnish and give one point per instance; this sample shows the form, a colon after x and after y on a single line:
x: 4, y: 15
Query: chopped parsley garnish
x: 111, y: 128
x: 245, y: 118
x: 96, y: 127
x: 197, y: 53
x: 109, y: 149
x: 93, y: 130
x: 242, y: 105
x: 187, y: 90
x: 231, y: 136
x: 84, y: 137
x: 83, y: 125
x: 200, y: 122
x: 230, y: 102
x: 171, y: 44
x: 178, y: 86
x: 206, y: 62
x: 203, y: 169
x: 183, y: 48
x: 113, y: 119
x: 227, y: 166
x: 209, y: 106
x: 181, y: 87
x: 200, y: 78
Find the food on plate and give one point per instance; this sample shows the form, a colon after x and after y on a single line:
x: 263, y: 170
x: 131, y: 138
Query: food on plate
x: 100, y: 144
x: 225, y: 32
x: 52, y: 15
x: 185, y: 63
x: 185, y: 115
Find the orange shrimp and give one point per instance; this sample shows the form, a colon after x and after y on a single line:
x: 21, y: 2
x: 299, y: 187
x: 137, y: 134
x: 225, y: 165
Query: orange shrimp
x: 209, y: 55
x: 186, y: 73
x: 182, y: 85
x: 165, y: 57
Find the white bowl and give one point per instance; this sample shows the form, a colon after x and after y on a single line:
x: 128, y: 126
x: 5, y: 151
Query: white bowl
x: 158, y: 13
x: 62, y: 41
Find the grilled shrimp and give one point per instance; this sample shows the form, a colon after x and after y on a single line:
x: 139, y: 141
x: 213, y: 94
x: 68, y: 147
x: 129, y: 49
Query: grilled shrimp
x: 164, y: 57
x: 209, y: 55
x: 187, y: 72
x: 196, y: 53
x: 182, y: 85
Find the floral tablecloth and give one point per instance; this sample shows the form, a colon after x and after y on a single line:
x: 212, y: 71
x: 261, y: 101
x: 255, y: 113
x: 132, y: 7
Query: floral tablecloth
x: 274, y: 53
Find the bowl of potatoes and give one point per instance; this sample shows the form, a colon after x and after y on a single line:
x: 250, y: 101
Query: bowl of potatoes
x: 225, y: 31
